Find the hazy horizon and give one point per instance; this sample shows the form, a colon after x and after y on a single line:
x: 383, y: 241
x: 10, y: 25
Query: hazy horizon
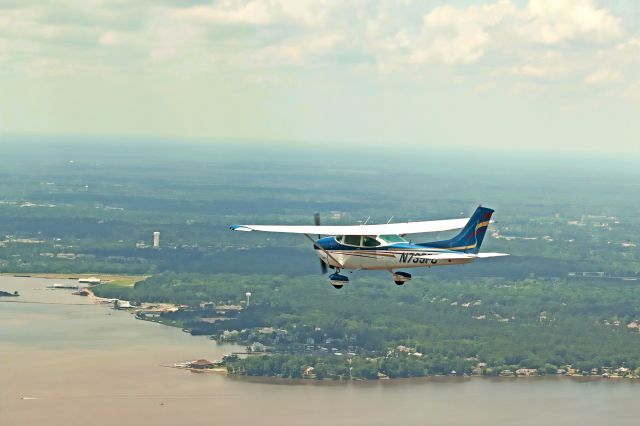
x: 523, y: 76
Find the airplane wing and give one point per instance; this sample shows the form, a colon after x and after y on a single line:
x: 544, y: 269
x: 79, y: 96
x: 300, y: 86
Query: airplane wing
x: 382, y: 229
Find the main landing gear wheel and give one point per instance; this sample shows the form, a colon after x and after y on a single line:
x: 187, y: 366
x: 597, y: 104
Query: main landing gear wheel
x: 337, y: 280
x: 401, y: 277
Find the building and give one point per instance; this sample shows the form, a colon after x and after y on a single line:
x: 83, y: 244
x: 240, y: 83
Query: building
x: 201, y: 364
x: 208, y: 306
x: 121, y: 304
x: 258, y: 347
x: 226, y: 309
x: 527, y: 372
x: 156, y: 239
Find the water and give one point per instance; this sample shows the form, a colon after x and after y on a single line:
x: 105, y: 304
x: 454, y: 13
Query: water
x: 77, y: 363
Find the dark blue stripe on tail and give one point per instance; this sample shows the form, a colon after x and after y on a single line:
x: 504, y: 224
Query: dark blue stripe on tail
x: 470, y: 238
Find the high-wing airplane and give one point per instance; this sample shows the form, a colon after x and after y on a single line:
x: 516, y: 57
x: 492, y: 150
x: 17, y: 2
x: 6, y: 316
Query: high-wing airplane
x: 382, y: 246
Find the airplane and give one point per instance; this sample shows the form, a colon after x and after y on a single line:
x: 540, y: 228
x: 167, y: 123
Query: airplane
x: 383, y: 246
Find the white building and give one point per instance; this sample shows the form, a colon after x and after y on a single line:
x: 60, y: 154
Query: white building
x: 156, y: 239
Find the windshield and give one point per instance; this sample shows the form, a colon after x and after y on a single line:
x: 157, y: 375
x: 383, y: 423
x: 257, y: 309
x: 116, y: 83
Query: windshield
x: 393, y: 238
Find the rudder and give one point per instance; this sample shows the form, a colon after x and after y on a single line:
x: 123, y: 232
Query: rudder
x: 470, y: 237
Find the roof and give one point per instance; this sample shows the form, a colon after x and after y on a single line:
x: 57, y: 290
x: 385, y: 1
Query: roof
x: 202, y: 362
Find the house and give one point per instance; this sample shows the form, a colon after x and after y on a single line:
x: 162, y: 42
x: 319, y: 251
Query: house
x: 527, y: 372
x: 477, y: 371
x: 225, y: 309
x: 121, y: 304
x: 208, y: 306
x: 201, y: 364
x: 230, y: 334
x: 507, y: 373
x: 257, y: 347
x: 480, y: 369
x: 622, y: 371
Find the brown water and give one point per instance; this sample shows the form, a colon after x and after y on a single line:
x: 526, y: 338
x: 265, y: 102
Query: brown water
x: 86, y: 364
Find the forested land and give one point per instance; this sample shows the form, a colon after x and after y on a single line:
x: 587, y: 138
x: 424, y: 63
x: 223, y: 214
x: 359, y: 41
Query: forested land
x: 75, y: 207
x: 454, y: 324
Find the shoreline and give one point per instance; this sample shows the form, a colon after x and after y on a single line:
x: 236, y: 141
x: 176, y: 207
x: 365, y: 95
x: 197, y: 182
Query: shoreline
x: 312, y: 381
x: 418, y: 380
x: 126, y: 279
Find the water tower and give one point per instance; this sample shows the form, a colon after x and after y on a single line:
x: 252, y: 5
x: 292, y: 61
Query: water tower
x: 156, y: 239
x: 248, y: 294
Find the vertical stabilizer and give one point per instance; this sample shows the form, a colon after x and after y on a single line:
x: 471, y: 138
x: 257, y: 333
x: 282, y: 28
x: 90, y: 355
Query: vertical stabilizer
x: 471, y: 236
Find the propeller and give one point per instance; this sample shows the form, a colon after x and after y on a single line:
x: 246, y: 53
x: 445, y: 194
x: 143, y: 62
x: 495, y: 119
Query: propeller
x: 323, y: 265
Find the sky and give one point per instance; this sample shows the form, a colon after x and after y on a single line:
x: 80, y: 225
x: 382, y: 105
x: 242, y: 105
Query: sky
x: 509, y: 75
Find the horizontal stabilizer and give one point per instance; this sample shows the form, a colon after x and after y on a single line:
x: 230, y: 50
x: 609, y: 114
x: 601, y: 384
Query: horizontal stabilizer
x: 483, y: 255
x: 450, y: 256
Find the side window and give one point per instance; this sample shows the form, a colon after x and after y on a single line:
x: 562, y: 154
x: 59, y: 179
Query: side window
x: 339, y: 238
x: 352, y: 240
x: 370, y: 242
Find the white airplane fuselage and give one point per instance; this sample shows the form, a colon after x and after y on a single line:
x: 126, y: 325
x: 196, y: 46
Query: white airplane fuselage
x: 393, y: 256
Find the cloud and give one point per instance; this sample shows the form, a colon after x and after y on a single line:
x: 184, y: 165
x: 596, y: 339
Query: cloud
x: 557, y: 21
x: 302, y: 50
x: 114, y: 38
x: 444, y: 35
x: 254, y: 12
x: 464, y: 35
x: 602, y: 76
x: 479, y: 41
x: 459, y: 35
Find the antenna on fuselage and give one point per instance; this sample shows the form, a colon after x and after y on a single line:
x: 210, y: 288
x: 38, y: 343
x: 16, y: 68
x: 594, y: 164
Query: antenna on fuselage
x: 389, y: 221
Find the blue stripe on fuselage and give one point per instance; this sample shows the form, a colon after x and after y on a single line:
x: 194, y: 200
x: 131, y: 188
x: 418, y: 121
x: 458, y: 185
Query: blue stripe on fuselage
x: 330, y: 244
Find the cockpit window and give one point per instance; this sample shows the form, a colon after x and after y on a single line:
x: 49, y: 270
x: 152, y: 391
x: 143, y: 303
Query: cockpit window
x: 393, y: 238
x: 352, y: 240
x: 370, y: 242
x: 339, y: 238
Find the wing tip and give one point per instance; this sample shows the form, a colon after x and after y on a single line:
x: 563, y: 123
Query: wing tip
x: 242, y: 228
